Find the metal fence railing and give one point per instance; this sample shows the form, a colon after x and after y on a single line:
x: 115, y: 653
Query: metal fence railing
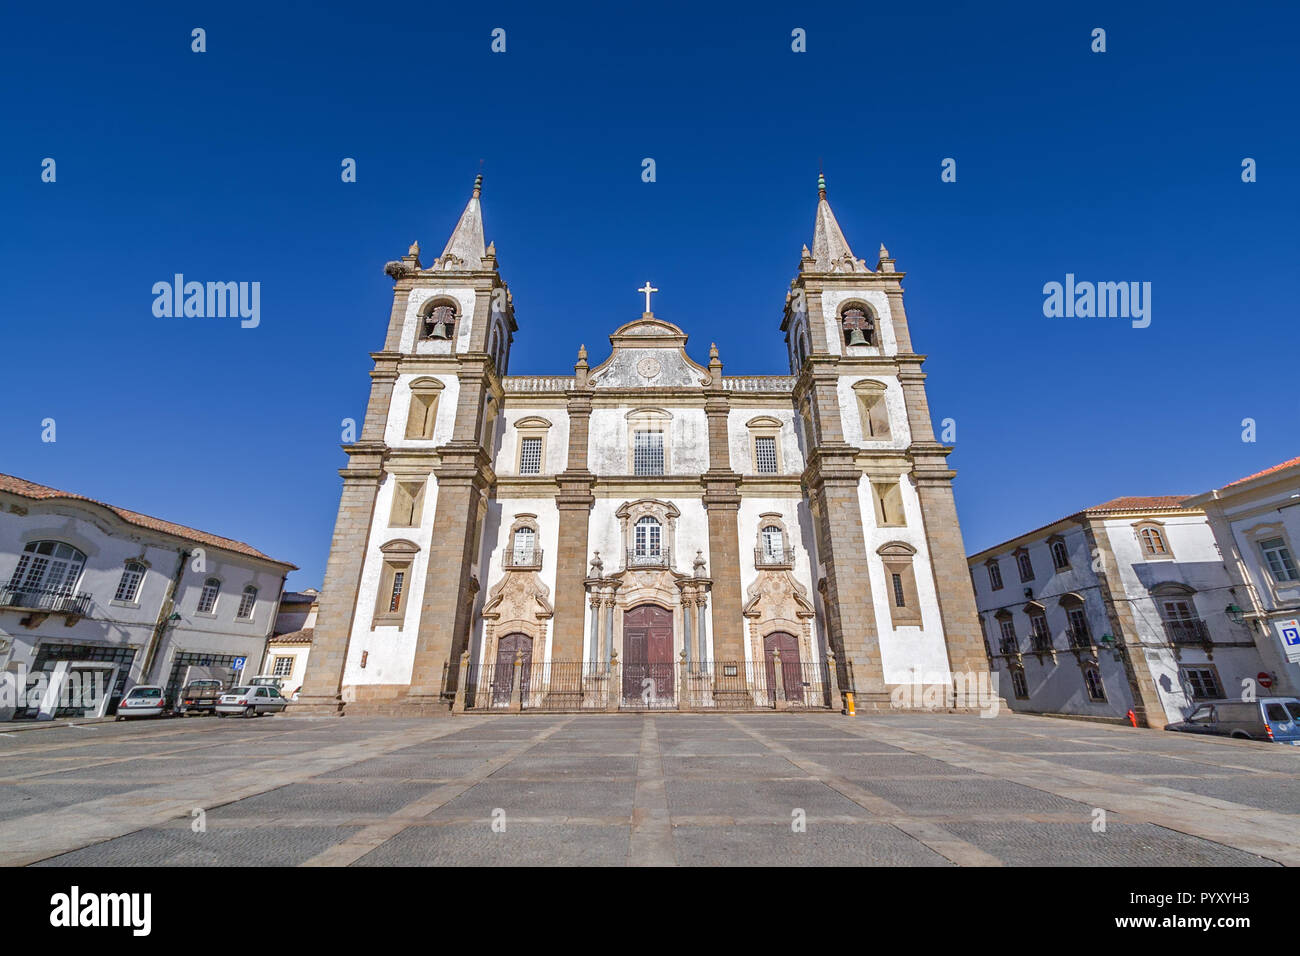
x: 574, y: 686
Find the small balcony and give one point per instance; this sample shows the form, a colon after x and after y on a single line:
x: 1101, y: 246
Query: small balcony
x: 522, y: 559
x: 1079, y: 640
x: 649, y: 558
x: 1187, y: 631
x: 1042, y: 643
x: 45, y: 600
x: 1008, y: 646
x: 774, y: 557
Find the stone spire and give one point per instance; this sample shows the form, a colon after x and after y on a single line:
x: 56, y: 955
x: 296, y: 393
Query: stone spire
x: 466, y: 242
x: 829, y: 245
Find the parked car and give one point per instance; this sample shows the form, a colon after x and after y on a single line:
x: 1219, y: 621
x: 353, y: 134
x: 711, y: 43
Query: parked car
x: 143, y: 700
x: 251, y: 701
x: 199, y: 696
x: 1268, y: 718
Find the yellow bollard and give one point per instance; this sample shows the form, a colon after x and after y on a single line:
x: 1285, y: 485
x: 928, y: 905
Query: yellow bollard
x: 848, y: 701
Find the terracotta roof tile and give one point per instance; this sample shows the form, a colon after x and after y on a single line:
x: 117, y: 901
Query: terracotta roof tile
x: 29, y: 489
x: 294, y: 637
x: 1267, y: 471
x: 1138, y: 503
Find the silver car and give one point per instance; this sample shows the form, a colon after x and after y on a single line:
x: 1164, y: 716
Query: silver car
x: 143, y: 700
x: 251, y: 701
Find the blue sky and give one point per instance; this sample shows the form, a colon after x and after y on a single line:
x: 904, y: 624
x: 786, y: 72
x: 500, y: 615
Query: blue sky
x: 1122, y: 166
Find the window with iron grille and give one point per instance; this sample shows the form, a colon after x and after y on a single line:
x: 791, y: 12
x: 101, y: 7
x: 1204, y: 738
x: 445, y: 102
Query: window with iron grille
x: 765, y: 455
x: 1203, y: 683
x: 246, y: 603
x: 1280, y: 563
x: 129, y: 585
x: 648, y: 453
x: 395, y: 599
x: 208, y: 599
x: 530, y: 456
x: 282, y: 667
x: 899, y: 600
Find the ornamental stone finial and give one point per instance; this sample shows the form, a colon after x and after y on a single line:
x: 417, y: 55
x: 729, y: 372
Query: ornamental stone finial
x: 415, y: 248
x: 699, y: 564
x: 597, y: 566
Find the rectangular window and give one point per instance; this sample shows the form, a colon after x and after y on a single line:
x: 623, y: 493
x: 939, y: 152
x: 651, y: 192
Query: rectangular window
x: 899, y: 600
x: 422, y: 414
x: 1009, y: 639
x: 1280, y: 563
x: 995, y: 577
x: 395, y: 599
x: 648, y: 453
x: 530, y: 456
x: 889, y: 504
x: 1203, y: 683
x: 282, y: 667
x: 129, y: 586
x: 765, y: 455
x: 1025, y: 566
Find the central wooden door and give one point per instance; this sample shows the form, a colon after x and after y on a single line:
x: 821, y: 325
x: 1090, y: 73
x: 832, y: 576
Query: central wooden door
x: 503, y: 674
x: 791, y: 668
x: 648, y: 654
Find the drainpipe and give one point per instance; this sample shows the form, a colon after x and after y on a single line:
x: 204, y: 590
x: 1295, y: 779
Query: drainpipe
x: 164, y: 612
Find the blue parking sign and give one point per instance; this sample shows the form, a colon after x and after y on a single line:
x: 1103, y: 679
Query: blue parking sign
x: 239, y: 663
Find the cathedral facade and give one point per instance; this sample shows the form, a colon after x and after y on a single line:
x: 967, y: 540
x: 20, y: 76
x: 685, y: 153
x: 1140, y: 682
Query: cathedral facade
x: 645, y: 530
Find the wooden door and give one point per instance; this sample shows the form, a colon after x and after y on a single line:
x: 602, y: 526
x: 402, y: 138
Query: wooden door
x: 503, y: 674
x: 648, y: 654
x: 791, y: 667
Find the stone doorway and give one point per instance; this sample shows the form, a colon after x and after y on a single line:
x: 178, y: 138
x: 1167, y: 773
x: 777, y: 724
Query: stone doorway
x: 503, y: 674
x: 791, y: 676
x: 648, y: 666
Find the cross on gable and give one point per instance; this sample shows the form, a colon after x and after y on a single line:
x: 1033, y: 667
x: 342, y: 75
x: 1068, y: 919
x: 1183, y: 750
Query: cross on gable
x: 647, y: 289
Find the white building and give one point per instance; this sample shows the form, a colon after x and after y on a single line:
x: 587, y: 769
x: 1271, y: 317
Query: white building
x: 290, y: 646
x: 98, y: 596
x: 645, y: 512
x: 1256, y: 521
x: 1125, y: 605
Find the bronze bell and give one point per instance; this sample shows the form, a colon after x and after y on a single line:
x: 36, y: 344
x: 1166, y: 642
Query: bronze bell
x: 857, y: 338
x: 439, y: 330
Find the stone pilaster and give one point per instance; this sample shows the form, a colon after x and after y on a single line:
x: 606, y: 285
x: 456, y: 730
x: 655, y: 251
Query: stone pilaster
x: 573, y: 499
x: 323, y: 682
x: 722, y: 505
x: 464, y: 475
x: 1142, y: 686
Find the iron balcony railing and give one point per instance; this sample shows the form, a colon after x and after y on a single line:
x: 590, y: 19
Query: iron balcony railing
x: 44, y: 599
x: 1187, y: 631
x: 649, y: 558
x: 522, y: 558
x: 1008, y: 646
x: 773, y: 557
x: 1079, y: 639
x: 1041, y: 642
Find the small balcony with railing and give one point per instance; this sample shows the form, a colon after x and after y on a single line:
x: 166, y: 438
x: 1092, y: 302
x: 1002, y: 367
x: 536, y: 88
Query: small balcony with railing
x: 522, y: 559
x: 1008, y: 645
x: 774, y: 557
x: 1079, y: 640
x: 1041, y: 642
x: 44, y: 600
x: 1187, y: 631
x: 649, y: 557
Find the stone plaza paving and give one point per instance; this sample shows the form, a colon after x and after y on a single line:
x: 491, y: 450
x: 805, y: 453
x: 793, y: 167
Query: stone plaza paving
x: 652, y: 789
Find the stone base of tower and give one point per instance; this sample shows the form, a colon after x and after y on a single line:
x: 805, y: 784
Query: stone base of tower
x: 316, y: 707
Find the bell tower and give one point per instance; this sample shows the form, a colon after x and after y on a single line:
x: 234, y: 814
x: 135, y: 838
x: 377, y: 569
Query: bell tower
x: 450, y: 328
x: 895, y: 591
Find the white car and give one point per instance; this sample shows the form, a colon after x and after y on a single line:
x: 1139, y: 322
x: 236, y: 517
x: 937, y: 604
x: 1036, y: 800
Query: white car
x: 251, y: 701
x: 143, y: 700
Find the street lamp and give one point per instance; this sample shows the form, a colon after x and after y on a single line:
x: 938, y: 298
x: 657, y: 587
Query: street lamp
x: 1234, y: 613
